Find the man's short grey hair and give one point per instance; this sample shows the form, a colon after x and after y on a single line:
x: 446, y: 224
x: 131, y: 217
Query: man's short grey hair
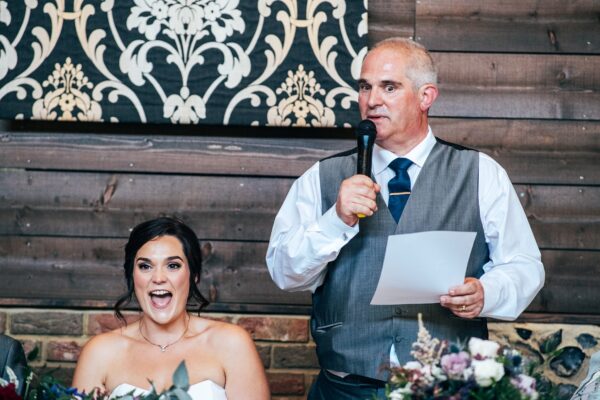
x: 421, y: 68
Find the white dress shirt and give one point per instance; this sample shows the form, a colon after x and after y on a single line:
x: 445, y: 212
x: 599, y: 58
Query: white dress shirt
x: 304, y: 240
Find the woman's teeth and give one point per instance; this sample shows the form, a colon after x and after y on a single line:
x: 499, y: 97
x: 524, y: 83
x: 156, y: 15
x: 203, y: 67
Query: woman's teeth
x: 160, y: 298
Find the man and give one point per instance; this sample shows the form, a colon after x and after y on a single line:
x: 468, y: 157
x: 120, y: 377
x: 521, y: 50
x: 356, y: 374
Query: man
x: 318, y: 243
x: 12, y: 356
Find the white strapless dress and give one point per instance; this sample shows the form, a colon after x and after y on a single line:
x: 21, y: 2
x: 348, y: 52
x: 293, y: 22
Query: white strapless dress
x: 205, y: 390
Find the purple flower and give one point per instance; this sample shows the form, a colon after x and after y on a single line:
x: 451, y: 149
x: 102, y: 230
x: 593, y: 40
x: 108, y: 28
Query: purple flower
x: 526, y: 385
x: 455, y: 364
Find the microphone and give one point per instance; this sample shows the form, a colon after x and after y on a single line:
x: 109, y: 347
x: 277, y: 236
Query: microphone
x: 365, y: 137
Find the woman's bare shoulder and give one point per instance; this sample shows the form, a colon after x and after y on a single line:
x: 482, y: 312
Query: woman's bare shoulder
x: 225, y: 337
x: 114, y: 341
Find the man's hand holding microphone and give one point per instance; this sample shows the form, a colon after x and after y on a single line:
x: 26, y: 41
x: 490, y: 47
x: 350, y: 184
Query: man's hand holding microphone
x: 357, y: 194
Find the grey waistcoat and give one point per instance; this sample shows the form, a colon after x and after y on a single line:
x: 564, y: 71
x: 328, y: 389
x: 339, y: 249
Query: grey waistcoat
x: 352, y: 335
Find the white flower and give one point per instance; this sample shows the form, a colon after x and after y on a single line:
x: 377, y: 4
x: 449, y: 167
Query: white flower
x: 483, y: 348
x: 401, y: 393
x: 487, y: 371
x: 413, y: 365
x: 438, y: 373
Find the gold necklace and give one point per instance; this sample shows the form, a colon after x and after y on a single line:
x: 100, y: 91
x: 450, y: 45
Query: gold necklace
x: 164, y: 347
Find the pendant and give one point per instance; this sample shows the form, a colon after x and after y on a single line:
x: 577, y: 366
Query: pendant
x: 163, y: 348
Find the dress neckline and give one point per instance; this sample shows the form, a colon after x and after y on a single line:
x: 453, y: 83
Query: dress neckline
x: 134, y: 387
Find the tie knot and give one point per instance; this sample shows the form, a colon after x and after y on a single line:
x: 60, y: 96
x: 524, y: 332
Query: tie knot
x: 400, y: 164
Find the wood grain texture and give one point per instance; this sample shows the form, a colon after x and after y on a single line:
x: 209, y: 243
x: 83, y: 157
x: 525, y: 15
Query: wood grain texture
x: 528, y: 149
x: 89, y: 272
x: 163, y: 154
x: 566, y: 217
x: 572, y: 279
x: 109, y: 205
x: 391, y: 18
x: 77, y: 204
x: 516, y: 26
x: 518, y: 86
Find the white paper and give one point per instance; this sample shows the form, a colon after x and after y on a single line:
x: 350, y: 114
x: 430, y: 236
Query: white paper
x: 420, y: 267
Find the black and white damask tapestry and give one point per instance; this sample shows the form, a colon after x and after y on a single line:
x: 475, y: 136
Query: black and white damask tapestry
x: 263, y: 62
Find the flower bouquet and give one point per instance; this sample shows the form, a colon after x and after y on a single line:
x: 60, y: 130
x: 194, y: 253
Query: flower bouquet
x: 47, y: 388
x: 481, y: 370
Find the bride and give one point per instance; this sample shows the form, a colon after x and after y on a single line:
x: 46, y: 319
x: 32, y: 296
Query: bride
x: 162, y: 269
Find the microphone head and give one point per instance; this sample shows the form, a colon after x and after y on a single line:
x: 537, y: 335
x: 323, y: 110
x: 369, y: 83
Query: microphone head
x: 366, y: 127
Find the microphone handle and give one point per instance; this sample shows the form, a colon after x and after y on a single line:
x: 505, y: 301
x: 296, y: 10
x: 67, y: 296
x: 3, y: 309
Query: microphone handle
x: 365, y: 155
x: 364, y: 158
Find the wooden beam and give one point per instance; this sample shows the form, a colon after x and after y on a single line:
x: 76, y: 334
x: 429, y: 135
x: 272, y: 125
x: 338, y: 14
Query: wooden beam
x: 391, y: 18
x: 528, y: 149
x: 88, y: 272
x: 516, y: 26
x: 517, y: 86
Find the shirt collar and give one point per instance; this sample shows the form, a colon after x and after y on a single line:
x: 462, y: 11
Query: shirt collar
x: 382, y: 157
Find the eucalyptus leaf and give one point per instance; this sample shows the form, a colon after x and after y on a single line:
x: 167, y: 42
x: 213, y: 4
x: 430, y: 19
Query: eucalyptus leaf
x: 551, y: 343
x: 180, y: 377
x: 179, y: 394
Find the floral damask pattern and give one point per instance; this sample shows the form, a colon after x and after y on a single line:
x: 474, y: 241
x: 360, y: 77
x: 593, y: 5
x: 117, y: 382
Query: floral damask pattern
x: 269, y: 62
x: 69, y: 94
x: 301, y: 90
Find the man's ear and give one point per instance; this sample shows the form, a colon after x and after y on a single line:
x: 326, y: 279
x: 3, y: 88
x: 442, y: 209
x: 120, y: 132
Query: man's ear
x: 427, y: 95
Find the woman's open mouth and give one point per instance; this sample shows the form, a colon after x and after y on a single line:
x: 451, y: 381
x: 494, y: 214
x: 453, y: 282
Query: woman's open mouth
x: 160, y: 298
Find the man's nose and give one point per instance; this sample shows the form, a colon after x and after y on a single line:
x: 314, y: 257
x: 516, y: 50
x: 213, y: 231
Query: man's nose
x: 374, y: 99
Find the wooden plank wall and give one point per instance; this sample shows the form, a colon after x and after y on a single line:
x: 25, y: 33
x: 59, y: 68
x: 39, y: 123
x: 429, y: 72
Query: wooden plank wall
x: 519, y: 80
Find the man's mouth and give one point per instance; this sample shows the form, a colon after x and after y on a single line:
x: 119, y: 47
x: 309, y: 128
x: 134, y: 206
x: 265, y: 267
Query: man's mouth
x: 160, y: 298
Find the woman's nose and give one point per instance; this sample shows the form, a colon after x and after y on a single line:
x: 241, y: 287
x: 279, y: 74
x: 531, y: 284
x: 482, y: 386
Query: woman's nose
x: 158, y: 275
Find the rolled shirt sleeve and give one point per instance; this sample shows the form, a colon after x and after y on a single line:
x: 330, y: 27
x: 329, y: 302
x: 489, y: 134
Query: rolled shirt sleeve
x: 304, y: 240
x: 514, y: 274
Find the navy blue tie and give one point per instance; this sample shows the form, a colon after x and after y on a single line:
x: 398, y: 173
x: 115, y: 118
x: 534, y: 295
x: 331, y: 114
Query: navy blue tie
x: 399, y: 187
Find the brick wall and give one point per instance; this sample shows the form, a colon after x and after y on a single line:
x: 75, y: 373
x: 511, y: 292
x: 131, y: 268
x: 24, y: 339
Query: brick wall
x: 283, y: 342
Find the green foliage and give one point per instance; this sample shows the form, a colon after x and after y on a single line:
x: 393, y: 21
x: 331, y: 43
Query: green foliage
x: 47, y: 387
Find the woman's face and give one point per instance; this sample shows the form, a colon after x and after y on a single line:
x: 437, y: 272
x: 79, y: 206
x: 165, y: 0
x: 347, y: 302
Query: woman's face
x: 161, y: 278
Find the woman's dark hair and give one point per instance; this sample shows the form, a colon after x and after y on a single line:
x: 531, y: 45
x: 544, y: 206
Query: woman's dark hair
x: 146, y: 231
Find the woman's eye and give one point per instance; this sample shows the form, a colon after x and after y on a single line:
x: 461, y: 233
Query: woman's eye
x: 174, y: 266
x: 143, y: 266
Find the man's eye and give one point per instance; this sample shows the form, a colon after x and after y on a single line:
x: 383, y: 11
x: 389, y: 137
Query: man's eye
x: 174, y: 266
x: 389, y: 88
x: 363, y: 87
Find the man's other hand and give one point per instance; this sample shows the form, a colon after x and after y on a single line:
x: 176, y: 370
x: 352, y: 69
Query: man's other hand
x: 466, y: 300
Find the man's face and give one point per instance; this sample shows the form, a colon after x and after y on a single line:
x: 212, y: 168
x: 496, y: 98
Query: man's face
x: 387, y: 97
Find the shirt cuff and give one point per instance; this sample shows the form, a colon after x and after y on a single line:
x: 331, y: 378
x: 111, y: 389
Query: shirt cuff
x: 492, y: 295
x: 332, y: 226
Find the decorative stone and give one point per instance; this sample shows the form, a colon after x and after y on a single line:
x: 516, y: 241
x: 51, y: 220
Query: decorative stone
x: 586, y: 340
x: 529, y: 352
x: 568, y: 362
x: 523, y: 333
x: 551, y: 343
x: 565, y: 391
